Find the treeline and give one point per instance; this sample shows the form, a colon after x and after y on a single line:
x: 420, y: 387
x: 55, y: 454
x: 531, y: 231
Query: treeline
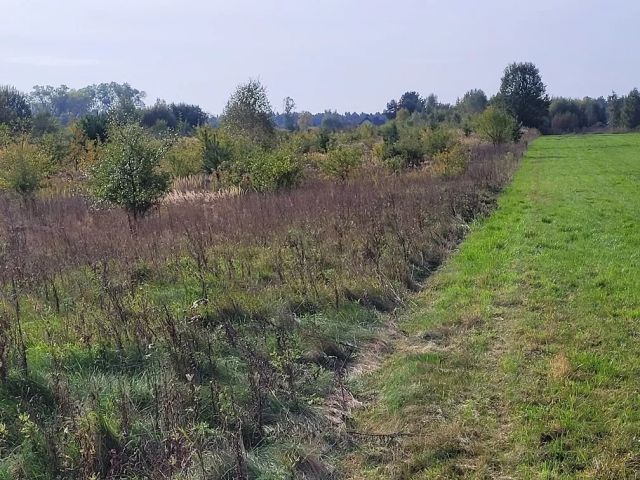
x: 522, y: 95
x: 92, y: 136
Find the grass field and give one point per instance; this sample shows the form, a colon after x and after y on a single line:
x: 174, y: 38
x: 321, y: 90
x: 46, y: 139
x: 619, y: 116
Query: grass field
x: 521, y: 359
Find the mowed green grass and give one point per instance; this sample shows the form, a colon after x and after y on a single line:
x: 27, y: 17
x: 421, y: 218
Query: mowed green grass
x: 522, y: 357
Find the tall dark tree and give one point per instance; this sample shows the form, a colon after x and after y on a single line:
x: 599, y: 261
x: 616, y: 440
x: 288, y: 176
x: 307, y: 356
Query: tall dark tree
x: 614, y: 110
x: 392, y: 110
x: 159, y: 114
x: 189, y: 116
x: 524, y: 95
x: 631, y: 110
x: 14, y: 108
x: 289, y: 115
x: 412, y: 102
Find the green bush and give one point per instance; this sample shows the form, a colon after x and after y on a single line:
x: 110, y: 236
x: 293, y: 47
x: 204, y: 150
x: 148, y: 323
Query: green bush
x: 23, y: 166
x: 267, y: 170
x: 497, y: 126
x: 439, y: 140
x: 342, y: 161
x: 184, y: 158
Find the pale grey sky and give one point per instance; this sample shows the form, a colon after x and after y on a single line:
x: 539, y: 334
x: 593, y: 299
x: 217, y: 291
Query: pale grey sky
x: 350, y: 55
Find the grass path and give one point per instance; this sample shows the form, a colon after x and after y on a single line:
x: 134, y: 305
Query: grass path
x: 525, y: 351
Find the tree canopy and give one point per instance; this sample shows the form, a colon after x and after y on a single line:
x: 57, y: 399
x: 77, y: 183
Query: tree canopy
x: 15, y: 110
x: 248, y: 113
x: 128, y: 174
x: 631, y: 110
x: 524, y: 95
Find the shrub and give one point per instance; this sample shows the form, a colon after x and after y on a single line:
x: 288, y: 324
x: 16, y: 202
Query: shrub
x: 267, y: 170
x: 497, y: 126
x: 23, y: 167
x: 439, y: 140
x: 451, y: 162
x: 341, y: 161
x: 184, y: 158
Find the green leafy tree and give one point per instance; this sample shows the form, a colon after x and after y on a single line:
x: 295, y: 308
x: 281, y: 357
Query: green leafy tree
x: 15, y: 110
x: 248, y: 113
x: 523, y: 94
x: 631, y: 110
x: 497, y: 126
x: 411, y: 101
x: 128, y: 173
x: 473, y: 102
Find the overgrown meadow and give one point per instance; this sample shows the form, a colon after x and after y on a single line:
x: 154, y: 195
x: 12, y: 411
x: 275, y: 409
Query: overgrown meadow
x: 185, y: 301
x: 206, y: 342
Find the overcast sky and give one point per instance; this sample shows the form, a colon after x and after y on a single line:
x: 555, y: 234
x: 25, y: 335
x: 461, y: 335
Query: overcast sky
x: 349, y: 55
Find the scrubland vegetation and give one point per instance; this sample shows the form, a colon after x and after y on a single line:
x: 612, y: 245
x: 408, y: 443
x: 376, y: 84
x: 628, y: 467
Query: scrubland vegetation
x: 184, y: 296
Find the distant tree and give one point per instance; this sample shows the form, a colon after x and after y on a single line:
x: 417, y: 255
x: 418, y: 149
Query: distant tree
x: 15, y: 110
x: 43, y: 123
x: 64, y: 103
x: 473, y: 102
x: 565, y: 122
x: 392, y: 109
x: 431, y: 104
x: 189, y: 117
x: 631, y: 110
x: 249, y: 114
x: 614, y: 107
x: 95, y: 126
x: 68, y: 104
x: 412, y: 102
x: 497, y: 126
x: 594, y: 111
x: 160, y: 112
x: 523, y: 94
x: 331, y: 121
x: 305, y: 121
x: 289, y: 115
x: 128, y: 173
x: 120, y: 98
